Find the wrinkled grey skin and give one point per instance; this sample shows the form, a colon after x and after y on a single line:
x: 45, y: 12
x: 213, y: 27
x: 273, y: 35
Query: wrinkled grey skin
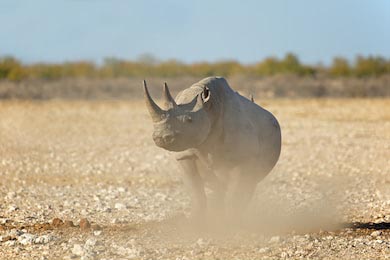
x: 216, y: 131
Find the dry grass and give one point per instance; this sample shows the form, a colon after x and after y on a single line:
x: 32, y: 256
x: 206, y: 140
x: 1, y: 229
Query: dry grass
x: 130, y: 88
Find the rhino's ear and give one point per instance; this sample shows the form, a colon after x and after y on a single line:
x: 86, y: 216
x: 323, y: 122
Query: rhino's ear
x: 206, y: 95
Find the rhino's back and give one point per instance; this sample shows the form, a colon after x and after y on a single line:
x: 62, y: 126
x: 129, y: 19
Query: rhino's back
x: 268, y: 133
x: 251, y: 132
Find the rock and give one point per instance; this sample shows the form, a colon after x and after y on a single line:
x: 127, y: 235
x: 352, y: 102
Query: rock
x: 263, y: 250
x: 120, y: 206
x: 115, y: 221
x: 96, y: 227
x: 10, y: 243
x: 43, y: 239
x: 56, y: 222
x: 121, y: 189
x: 6, y: 238
x: 376, y: 233
x: 128, y: 252
x: 12, y: 208
x: 68, y: 223
x: 11, y: 195
x: 202, y: 242
x: 4, y: 221
x: 121, y: 251
x: 88, y: 256
x: 85, y: 224
x: 274, y: 239
x: 97, y: 232
x: 26, y: 239
x: 105, y: 209
x: 78, y: 250
x: 15, y: 232
x: 91, y: 242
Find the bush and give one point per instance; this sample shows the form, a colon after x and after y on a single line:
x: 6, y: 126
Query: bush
x: 148, y: 66
x: 340, y: 67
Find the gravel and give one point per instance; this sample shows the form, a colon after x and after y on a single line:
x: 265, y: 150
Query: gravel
x: 83, y: 180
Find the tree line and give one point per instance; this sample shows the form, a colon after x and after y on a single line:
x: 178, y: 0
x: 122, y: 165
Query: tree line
x: 147, y: 66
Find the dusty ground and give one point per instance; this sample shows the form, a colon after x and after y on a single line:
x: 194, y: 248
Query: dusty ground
x: 328, y: 197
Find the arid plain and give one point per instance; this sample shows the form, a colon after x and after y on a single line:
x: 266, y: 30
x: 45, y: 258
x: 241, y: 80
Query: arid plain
x: 66, y: 161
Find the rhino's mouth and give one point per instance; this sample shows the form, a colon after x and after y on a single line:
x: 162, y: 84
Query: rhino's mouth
x: 170, y: 143
x: 174, y: 147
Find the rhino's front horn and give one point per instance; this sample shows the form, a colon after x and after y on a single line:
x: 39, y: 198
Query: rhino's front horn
x: 169, y: 100
x: 155, y: 111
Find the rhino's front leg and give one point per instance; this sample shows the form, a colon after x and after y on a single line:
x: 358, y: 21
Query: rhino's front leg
x: 194, y: 184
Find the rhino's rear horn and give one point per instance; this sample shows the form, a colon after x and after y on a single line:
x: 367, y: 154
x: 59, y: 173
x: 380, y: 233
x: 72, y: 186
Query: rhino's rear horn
x: 155, y: 111
x: 169, y: 100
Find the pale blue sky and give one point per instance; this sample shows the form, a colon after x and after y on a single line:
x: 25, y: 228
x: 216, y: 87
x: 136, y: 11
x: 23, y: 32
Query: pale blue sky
x: 248, y: 31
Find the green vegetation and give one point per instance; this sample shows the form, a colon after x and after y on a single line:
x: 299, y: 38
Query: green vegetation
x: 13, y: 70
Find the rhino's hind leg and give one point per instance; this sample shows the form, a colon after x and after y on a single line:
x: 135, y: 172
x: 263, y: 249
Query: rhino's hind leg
x: 195, y: 186
x: 242, y: 192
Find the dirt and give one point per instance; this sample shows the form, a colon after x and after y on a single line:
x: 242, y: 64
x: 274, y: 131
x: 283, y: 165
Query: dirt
x: 83, y: 180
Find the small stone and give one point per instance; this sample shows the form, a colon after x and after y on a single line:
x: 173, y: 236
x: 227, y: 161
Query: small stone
x: 12, y: 208
x: 85, y: 224
x: 96, y: 227
x: 107, y: 209
x: 11, y: 195
x: 26, y: 239
x: 97, y: 232
x: 88, y: 256
x: 10, y: 243
x: 376, y: 233
x: 263, y: 250
x: 91, y: 242
x: 6, y: 238
x: 56, y: 222
x: 120, y: 206
x: 68, y: 223
x: 115, y: 221
x: 42, y: 239
x: 201, y: 242
x: 275, y: 239
x: 78, y: 250
x: 121, y: 189
x: 122, y: 251
x: 4, y: 221
x: 15, y: 232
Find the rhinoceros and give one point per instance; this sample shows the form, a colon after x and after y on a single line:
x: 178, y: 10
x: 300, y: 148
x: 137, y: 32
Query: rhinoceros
x: 216, y: 131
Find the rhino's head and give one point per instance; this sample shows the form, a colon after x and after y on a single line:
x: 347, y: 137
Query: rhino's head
x: 178, y: 127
